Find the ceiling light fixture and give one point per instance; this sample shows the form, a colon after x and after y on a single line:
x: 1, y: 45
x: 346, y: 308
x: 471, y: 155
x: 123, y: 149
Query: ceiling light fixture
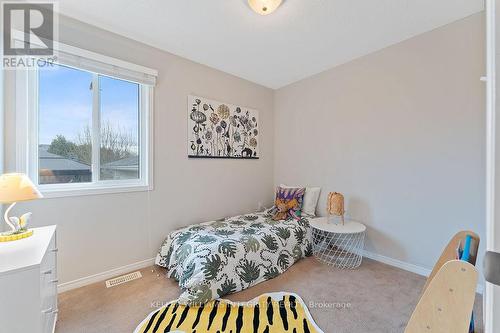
x: 264, y: 7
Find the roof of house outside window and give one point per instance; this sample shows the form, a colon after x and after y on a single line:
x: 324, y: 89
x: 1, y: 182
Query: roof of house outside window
x: 128, y: 163
x: 49, y: 161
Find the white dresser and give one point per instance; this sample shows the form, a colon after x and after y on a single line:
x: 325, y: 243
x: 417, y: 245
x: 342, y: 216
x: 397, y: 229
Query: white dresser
x: 28, y: 283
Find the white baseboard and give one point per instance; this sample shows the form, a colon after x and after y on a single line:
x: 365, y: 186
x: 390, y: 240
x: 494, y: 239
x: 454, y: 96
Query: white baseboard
x: 407, y: 266
x: 104, y: 275
x: 398, y: 263
x: 149, y: 262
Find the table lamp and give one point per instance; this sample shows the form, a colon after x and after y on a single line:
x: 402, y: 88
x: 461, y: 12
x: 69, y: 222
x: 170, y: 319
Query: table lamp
x: 16, y: 187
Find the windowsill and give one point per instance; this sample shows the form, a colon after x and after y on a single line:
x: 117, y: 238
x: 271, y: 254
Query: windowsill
x: 70, y: 190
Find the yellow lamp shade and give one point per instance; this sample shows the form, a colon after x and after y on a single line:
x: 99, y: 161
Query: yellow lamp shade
x: 264, y: 7
x: 17, y: 187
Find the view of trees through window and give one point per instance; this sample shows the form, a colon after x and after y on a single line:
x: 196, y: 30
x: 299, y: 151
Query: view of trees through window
x: 119, y: 113
x: 65, y: 127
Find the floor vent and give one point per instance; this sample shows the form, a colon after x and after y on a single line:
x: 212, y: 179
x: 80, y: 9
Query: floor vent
x: 123, y: 279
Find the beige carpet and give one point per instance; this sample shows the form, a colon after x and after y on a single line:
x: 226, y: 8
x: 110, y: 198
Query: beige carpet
x: 372, y: 298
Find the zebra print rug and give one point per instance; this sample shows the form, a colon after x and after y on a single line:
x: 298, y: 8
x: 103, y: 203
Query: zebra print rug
x: 268, y: 313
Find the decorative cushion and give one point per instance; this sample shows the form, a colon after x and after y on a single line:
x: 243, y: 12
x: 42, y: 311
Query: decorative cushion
x: 311, y: 198
x: 288, y: 203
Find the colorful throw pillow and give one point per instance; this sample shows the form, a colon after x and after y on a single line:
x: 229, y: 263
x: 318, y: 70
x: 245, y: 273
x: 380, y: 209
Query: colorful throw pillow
x: 311, y: 198
x: 288, y: 203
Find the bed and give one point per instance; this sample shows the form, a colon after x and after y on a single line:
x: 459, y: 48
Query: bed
x: 213, y: 259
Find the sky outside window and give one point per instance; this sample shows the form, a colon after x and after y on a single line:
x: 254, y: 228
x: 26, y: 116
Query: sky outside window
x: 65, y: 126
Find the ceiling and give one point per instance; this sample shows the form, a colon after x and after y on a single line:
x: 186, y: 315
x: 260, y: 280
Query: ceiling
x: 302, y: 38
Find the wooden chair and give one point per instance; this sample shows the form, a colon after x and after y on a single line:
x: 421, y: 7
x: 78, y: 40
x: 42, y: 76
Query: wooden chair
x: 448, y: 295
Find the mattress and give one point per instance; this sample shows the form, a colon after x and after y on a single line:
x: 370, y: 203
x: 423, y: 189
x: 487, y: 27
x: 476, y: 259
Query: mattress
x: 216, y: 258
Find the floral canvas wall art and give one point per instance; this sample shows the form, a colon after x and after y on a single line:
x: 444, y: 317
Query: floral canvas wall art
x: 221, y: 130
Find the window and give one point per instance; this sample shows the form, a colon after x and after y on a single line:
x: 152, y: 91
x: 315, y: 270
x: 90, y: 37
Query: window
x: 64, y: 123
x: 65, y: 126
x: 86, y: 130
x: 119, y: 154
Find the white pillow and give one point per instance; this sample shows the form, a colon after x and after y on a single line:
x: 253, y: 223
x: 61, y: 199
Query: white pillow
x: 311, y: 198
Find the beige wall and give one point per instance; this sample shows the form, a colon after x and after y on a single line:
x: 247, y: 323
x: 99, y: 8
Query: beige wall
x: 99, y: 233
x: 402, y: 133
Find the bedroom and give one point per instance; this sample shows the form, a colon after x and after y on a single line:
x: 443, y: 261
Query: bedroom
x: 158, y: 115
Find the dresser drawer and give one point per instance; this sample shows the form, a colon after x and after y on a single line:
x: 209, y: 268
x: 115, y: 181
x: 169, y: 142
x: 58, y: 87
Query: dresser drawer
x: 49, y: 323
x: 48, y: 298
x: 28, y: 303
x: 48, y: 286
x: 49, y: 258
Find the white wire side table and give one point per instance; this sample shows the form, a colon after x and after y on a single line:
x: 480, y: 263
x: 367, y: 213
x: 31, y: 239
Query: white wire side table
x: 338, y: 245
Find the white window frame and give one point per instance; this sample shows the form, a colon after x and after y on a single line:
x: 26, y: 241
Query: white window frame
x: 27, y: 132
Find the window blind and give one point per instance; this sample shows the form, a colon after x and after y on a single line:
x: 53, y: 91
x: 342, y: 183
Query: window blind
x: 117, y: 69
x: 95, y: 62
